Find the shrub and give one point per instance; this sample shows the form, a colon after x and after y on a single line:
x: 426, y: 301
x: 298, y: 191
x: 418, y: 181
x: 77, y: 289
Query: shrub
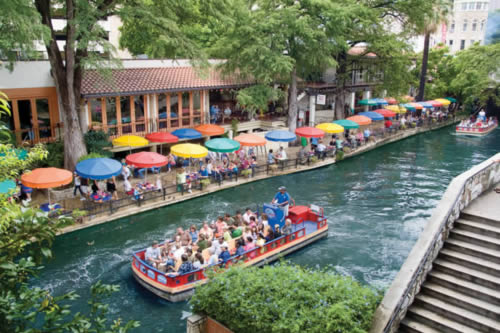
x: 55, y: 157
x: 339, y: 156
x: 96, y: 141
x: 313, y: 159
x: 346, y: 150
x: 246, y: 172
x: 89, y: 156
x: 205, y: 182
x: 285, y: 298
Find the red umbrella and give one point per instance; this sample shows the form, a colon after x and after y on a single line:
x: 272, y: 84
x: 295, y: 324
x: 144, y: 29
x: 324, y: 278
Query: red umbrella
x: 162, y: 137
x: 386, y: 113
x: 391, y: 100
x: 309, y: 132
x: 146, y: 159
x: 435, y: 104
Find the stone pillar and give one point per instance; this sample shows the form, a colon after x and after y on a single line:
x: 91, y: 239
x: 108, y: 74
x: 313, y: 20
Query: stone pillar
x: 366, y: 95
x: 352, y: 100
x: 312, y: 110
x: 84, y: 117
x: 196, y: 324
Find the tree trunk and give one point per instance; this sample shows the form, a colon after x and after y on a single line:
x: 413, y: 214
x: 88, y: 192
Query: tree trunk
x: 340, y: 83
x: 423, y: 73
x: 292, y: 102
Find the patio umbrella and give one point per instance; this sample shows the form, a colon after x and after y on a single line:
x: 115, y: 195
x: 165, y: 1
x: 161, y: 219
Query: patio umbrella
x: 309, y: 132
x: 435, y: 104
x: 250, y: 140
x: 451, y: 99
x: 347, y: 124
x: 391, y: 100
x: 210, y: 129
x: 425, y: 104
x: 187, y: 133
x: 130, y: 141
x: 409, y: 107
x: 374, y: 116
x: 98, y: 168
x: 386, y: 113
x: 162, y: 137
x: 415, y: 106
x: 6, y: 186
x: 443, y: 101
x: 360, y: 120
x: 396, y: 108
x: 146, y: 159
x: 222, y: 145
x: 47, y: 178
x: 281, y: 136
x: 408, y: 98
x: 381, y: 101
x: 330, y: 128
x: 189, y: 150
x: 369, y: 102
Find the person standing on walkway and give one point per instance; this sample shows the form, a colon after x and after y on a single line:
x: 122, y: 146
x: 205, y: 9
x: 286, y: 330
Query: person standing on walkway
x: 78, y: 186
x: 282, y: 199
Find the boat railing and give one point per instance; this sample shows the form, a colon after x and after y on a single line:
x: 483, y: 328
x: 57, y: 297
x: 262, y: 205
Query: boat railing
x: 176, y: 281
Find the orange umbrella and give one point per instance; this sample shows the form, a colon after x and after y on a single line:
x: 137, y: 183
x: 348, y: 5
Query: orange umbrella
x: 386, y: 113
x: 360, y: 120
x: 47, y: 178
x: 210, y: 130
x: 409, y: 98
x: 251, y: 140
x: 416, y: 106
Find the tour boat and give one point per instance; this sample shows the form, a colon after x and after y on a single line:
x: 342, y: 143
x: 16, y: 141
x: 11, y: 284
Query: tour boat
x: 477, y: 130
x: 308, y: 224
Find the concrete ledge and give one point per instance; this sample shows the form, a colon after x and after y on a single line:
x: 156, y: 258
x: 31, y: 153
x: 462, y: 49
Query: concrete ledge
x: 176, y: 198
x: 461, y: 191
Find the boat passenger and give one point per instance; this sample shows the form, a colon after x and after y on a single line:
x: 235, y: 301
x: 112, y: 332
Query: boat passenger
x: 260, y: 241
x: 217, y: 245
x: 186, y: 265
x: 153, y: 255
x: 264, y: 220
x: 220, y: 225
x: 253, y: 222
x: 224, y: 256
x: 249, y: 244
x: 269, y: 235
x: 238, y: 218
x: 206, y: 231
x: 237, y: 232
x: 214, y: 258
x: 247, y: 233
x: 199, y: 261
x: 287, y: 229
x: 277, y: 231
x: 227, y: 234
x: 190, y: 254
x: 240, y: 249
x: 282, y: 199
x: 202, y: 242
x: 194, y: 234
x: 246, y: 216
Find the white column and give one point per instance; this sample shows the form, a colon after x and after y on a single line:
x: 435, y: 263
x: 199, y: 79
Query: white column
x: 206, y: 107
x: 84, y: 117
x: 312, y: 110
x: 352, y: 100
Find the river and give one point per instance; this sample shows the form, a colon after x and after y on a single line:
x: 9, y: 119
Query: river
x: 377, y: 204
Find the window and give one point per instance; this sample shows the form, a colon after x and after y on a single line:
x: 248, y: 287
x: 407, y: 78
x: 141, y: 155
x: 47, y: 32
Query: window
x: 485, y: 6
x: 451, y: 42
x: 471, y: 5
x: 462, y: 44
x: 472, y: 42
x: 140, y: 116
x: 464, y: 27
x: 452, y: 27
x: 464, y: 6
x: 482, y: 25
x: 479, y: 5
x: 43, y: 114
x: 474, y: 25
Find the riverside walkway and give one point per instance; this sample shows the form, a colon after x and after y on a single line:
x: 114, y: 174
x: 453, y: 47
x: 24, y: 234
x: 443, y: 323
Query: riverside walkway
x: 459, y: 290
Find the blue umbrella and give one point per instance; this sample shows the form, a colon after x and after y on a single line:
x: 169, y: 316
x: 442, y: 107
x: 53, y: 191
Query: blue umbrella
x: 187, y: 133
x: 372, y: 115
x: 281, y: 136
x: 98, y: 168
x: 6, y: 186
x: 425, y: 105
x: 381, y: 101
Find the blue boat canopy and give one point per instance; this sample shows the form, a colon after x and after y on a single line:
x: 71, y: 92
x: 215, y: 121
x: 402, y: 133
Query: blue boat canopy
x: 98, y: 168
x: 372, y: 115
x: 281, y: 136
x: 187, y: 133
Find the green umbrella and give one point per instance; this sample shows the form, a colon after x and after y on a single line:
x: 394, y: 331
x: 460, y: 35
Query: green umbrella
x: 369, y: 102
x: 6, y: 186
x: 346, y: 123
x: 451, y: 99
x: 222, y: 145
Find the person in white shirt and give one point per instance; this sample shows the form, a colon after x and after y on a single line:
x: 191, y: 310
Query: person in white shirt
x: 214, y: 258
x: 127, y: 186
x: 246, y: 216
x: 282, y: 154
x: 403, y: 121
x: 153, y: 255
x: 217, y: 246
x: 159, y: 185
x: 125, y: 172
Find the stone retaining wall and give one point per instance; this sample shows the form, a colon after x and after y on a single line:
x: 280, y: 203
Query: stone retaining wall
x: 461, y: 191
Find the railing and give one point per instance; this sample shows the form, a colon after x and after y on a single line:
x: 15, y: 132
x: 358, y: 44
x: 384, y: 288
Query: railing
x: 177, y: 281
x: 461, y: 191
x: 38, y: 134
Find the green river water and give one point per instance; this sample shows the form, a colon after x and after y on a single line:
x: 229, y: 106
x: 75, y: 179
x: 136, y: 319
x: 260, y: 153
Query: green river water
x: 376, y: 203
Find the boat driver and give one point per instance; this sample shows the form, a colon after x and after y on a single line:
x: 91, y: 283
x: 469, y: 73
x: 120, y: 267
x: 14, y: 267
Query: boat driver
x: 282, y: 199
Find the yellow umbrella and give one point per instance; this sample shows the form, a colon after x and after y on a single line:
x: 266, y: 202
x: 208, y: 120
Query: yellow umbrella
x: 330, y: 128
x: 443, y: 101
x: 130, y: 141
x: 396, y: 108
x: 188, y: 150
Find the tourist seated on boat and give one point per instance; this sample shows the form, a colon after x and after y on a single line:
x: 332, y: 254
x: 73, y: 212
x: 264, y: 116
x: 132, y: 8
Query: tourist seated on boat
x: 202, y: 242
x: 220, y: 225
x: 153, y: 255
x: 247, y: 215
x: 189, y: 252
x: 260, y: 241
x: 224, y: 255
x: 185, y: 267
x: 214, y: 257
x: 277, y: 231
x: 218, y: 244
x: 185, y: 237
x: 287, y: 229
x: 269, y: 235
x: 198, y: 261
x: 194, y: 234
x: 226, y: 234
x: 240, y: 249
x: 249, y: 244
x: 206, y: 231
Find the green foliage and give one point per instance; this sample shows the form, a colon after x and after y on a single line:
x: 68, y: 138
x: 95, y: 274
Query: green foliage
x: 55, y: 156
x: 285, y: 298
x: 205, y: 182
x: 246, y: 172
x: 313, y: 159
x: 256, y: 98
x: 96, y: 141
x: 234, y: 126
x: 89, y: 156
x: 339, y: 155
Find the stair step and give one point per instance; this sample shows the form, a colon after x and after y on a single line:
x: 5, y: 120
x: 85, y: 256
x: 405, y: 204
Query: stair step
x: 484, y: 279
x: 473, y: 249
x: 413, y: 326
x: 481, y: 219
x: 478, y: 227
x: 458, y: 314
x: 474, y: 238
x: 461, y: 300
x: 437, y: 321
x: 470, y: 261
x: 469, y: 288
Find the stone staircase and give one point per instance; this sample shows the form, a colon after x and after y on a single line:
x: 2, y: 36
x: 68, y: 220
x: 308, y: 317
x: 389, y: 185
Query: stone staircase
x: 462, y: 292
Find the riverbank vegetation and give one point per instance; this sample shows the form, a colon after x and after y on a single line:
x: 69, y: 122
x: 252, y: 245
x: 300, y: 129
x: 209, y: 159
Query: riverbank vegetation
x: 286, y: 298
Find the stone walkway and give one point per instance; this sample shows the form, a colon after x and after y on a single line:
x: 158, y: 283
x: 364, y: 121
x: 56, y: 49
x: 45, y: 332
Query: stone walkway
x: 486, y: 206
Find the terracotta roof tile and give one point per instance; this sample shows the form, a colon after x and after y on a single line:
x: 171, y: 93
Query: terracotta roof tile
x: 132, y: 81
